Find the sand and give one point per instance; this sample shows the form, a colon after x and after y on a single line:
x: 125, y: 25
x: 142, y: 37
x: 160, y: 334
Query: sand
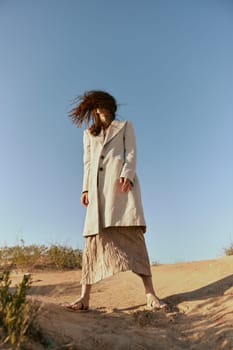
x: 201, y: 316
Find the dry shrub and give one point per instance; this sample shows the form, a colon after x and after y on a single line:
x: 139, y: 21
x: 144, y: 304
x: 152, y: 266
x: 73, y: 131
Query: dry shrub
x: 229, y: 250
x: 65, y: 257
x: 31, y: 257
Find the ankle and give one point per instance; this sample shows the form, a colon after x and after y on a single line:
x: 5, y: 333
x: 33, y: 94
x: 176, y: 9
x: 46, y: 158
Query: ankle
x: 151, y: 295
x: 85, y: 297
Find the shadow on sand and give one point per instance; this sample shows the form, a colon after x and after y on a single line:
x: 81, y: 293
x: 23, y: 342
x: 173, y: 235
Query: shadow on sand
x: 214, y: 289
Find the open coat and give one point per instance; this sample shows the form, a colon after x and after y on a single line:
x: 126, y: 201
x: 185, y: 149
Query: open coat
x: 105, y: 161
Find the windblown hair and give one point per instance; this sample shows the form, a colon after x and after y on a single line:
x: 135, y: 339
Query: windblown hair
x: 85, y: 109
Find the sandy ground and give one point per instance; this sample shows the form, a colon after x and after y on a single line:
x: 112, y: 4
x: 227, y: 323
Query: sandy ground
x: 201, y: 315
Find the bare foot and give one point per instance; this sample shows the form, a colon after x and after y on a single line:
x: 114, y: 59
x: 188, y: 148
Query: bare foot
x: 78, y: 305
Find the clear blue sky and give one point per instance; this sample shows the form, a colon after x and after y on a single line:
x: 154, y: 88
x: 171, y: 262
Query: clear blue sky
x: 169, y: 63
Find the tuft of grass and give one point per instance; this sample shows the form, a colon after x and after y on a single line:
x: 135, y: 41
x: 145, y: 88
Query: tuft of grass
x: 17, y: 314
x: 229, y: 250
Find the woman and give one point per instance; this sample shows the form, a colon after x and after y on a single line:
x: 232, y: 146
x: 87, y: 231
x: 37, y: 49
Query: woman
x: 114, y: 225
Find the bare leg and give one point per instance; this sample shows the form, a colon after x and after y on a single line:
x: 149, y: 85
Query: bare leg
x: 85, y: 295
x: 151, y: 298
x: 148, y: 285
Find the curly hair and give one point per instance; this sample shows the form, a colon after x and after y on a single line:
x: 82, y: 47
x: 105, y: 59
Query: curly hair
x: 86, y: 105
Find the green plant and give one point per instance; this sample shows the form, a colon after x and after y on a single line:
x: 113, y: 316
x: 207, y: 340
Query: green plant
x: 17, y: 314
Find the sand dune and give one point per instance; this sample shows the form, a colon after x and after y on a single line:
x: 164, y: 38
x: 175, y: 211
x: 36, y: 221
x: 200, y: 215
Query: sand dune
x: 201, y: 315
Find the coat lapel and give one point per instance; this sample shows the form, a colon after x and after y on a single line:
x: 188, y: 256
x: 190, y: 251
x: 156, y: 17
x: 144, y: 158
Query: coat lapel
x: 113, y: 130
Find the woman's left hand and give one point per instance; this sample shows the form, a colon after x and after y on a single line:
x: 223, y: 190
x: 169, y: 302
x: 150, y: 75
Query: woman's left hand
x: 125, y: 184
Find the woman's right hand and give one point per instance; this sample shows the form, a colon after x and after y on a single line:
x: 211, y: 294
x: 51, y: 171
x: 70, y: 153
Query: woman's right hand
x: 84, y: 199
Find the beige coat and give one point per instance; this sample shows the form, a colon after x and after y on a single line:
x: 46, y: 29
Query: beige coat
x: 105, y: 161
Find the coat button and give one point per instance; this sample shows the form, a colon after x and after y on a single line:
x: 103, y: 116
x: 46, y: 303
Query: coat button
x: 102, y: 157
x: 101, y: 169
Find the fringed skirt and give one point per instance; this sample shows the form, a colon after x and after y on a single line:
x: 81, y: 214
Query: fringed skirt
x: 113, y: 250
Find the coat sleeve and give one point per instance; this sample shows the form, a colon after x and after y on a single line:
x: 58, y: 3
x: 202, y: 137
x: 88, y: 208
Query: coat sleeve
x: 86, y: 161
x: 129, y: 168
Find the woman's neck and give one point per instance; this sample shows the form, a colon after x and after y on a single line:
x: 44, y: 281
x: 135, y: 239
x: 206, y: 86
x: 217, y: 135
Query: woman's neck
x: 105, y: 125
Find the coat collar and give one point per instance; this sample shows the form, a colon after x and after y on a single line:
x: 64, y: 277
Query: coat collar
x: 112, y: 131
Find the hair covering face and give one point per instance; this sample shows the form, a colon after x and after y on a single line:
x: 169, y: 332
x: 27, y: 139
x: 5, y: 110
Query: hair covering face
x: 89, y: 101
